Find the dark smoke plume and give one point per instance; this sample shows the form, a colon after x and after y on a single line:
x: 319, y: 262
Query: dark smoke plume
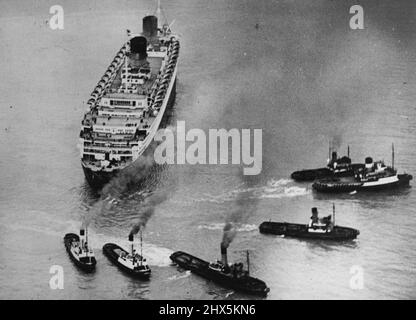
x: 130, y: 178
x: 147, y: 211
x: 244, y: 205
x: 228, y: 235
x: 336, y: 142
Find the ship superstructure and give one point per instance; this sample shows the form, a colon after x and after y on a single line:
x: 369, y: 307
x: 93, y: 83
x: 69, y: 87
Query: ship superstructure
x: 128, y: 104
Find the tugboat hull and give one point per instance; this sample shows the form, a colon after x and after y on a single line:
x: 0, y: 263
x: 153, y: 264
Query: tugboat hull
x: 109, y: 250
x: 87, y: 267
x: 198, y: 266
x: 302, y: 231
x: 337, y: 186
x: 311, y: 174
x: 321, y: 173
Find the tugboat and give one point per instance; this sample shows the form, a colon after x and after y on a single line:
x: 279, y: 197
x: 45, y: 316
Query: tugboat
x: 131, y: 262
x: 228, y: 275
x: 336, y: 167
x: 374, y: 176
x: 322, y: 229
x: 79, y: 251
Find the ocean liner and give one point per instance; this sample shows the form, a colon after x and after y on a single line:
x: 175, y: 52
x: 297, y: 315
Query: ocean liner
x: 128, y: 104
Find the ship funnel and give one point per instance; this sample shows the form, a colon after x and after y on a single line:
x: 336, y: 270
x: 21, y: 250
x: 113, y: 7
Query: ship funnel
x: 82, y: 237
x: 131, y: 238
x: 368, y: 163
x: 224, y: 259
x: 138, y: 48
x: 334, y: 156
x: 150, y: 26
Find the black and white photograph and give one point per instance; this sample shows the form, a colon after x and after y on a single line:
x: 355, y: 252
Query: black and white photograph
x: 208, y: 150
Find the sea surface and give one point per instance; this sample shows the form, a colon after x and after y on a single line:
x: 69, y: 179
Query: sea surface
x: 292, y: 68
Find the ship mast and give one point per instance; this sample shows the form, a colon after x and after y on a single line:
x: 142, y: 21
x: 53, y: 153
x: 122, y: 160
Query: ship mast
x: 141, y: 247
x: 126, y: 69
x: 248, y: 262
x: 392, y: 155
x: 329, y: 150
x: 158, y: 10
x: 333, y: 212
x: 86, y: 241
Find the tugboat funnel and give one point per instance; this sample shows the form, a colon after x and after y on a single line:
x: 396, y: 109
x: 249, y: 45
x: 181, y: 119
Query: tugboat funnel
x: 334, y: 156
x: 82, y: 237
x: 368, y: 162
x: 131, y: 238
x: 224, y: 259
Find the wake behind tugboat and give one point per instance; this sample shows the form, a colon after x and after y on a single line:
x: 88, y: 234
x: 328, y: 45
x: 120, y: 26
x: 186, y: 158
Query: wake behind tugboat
x: 128, y: 104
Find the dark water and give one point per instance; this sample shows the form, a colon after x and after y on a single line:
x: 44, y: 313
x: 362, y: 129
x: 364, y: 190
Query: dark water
x: 302, y: 76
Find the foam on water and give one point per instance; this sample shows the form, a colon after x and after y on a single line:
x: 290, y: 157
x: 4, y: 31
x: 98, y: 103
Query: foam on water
x: 287, y: 193
x: 220, y: 226
x: 281, y: 188
x: 156, y: 255
x: 186, y: 274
